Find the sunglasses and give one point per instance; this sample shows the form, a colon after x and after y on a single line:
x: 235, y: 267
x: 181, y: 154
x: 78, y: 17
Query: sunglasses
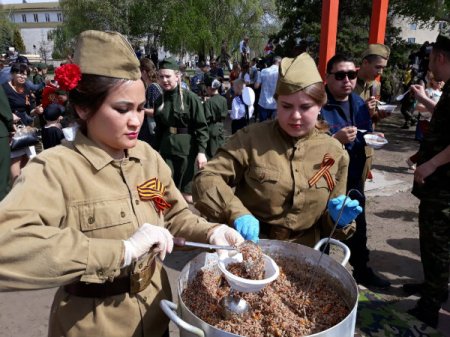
x: 340, y: 75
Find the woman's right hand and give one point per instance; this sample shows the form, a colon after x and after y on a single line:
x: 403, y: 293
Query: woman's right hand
x: 147, y: 237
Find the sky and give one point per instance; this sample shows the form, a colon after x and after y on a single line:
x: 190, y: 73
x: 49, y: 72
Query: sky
x: 5, y: 2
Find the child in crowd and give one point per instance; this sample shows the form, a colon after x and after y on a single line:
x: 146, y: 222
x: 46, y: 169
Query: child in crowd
x: 51, y: 132
x: 240, y: 112
x: 434, y: 91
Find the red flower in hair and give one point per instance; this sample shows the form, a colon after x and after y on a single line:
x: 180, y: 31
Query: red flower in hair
x: 68, y: 76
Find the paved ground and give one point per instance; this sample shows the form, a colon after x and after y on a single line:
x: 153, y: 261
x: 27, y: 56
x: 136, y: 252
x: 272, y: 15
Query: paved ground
x: 393, y: 241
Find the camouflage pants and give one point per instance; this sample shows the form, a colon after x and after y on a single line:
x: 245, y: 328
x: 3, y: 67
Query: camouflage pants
x: 434, y: 234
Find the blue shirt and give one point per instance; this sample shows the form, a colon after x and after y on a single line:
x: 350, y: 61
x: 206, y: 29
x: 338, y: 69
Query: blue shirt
x: 358, y: 115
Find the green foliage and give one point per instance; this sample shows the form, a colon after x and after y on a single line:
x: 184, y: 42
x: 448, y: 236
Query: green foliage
x: 196, y: 26
x: 424, y: 12
x: 17, y: 41
x: 6, y: 34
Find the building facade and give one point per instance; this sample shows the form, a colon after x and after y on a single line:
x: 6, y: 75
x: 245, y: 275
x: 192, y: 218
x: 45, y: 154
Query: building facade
x: 36, y: 21
x: 412, y: 32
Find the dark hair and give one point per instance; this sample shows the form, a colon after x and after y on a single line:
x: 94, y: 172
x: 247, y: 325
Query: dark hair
x: 19, y: 68
x: 91, y: 92
x: 52, y: 112
x: 149, y: 67
x: 338, y: 58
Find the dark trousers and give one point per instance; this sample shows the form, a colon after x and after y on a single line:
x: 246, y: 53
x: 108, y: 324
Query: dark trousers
x: 358, y: 242
x: 237, y: 124
x: 5, y: 163
x: 434, y: 236
x: 182, y: 171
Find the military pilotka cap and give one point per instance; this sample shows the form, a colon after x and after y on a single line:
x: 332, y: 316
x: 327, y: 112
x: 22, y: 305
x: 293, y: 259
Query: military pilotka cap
x: 377, y: 49
x: 106, y: 54
x: 169, y: 63
x: 296, y: 74
x: 443, y: 39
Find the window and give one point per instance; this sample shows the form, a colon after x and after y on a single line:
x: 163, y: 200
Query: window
x: 36, y: 18
x: 59, y: 16
x: 411, y: 40
x: 24, y: 18
x: 12, y: 18
x: 47, y: 17
x: 413, y: 26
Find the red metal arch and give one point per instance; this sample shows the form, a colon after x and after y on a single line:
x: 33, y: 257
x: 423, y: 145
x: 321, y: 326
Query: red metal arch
x: 330, y: 9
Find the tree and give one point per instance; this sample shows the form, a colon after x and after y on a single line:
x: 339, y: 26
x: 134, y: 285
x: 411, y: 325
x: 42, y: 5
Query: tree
x: 422, y: 12
x: 196, y: 26
x: 6, y: 34
x: 17, y: 41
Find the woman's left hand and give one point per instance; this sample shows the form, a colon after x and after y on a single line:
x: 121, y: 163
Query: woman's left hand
x: 201, y: 160
x: 350, y: 212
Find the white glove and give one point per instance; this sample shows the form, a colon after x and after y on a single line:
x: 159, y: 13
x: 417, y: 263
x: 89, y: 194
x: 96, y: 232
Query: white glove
x: 201, y: 160
x: 147, y: 237
x: 224, y: 235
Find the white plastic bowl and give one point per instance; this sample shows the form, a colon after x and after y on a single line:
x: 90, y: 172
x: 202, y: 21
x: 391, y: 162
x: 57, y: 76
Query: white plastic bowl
x: 245, y: 285
x: 386, y: 107
x: 375, y: 141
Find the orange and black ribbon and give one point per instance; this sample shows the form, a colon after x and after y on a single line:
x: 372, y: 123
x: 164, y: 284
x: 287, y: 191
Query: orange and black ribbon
x: 327, y: 162
x: 154, y: 190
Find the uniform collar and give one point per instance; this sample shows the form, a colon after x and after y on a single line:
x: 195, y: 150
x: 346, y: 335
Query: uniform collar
x: 98, y: 157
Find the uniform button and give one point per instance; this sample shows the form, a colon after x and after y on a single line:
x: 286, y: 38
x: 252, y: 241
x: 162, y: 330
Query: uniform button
x: 137, y: 201
x: 261, y: 176
x: 140, y: 265
x: 100, y: 273
x: 296, y: 170
x: 298, y: 192
x: 122, y: 214
x: 145, y: 298
x: 91, y: 220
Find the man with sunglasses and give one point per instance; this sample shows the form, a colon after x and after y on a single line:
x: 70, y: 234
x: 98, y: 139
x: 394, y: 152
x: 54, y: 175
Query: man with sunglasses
x: 348, y: 118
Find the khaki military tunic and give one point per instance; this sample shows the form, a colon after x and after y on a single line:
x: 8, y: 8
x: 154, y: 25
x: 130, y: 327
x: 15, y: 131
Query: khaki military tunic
x: 270, y: 171
x: 64, y: 221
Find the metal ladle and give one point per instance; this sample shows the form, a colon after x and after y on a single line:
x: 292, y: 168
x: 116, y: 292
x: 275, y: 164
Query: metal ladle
x: 234, y: 304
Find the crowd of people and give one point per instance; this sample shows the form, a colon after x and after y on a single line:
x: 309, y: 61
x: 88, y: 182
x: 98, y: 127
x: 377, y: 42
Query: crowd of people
x: 148, y: 140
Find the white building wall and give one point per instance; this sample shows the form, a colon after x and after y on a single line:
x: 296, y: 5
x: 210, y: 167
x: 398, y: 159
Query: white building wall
x: 38, y: 38
x: 412, y: 32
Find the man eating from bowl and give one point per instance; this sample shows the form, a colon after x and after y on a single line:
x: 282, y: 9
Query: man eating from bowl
x: 346, y: 113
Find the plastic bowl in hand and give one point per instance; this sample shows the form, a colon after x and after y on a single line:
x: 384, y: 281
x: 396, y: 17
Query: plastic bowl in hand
x: 375, y: 141
x: 387, y: 107
x: 245, y: 285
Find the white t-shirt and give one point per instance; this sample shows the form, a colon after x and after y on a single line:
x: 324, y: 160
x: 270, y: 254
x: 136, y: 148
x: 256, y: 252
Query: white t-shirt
x: 238, y: 109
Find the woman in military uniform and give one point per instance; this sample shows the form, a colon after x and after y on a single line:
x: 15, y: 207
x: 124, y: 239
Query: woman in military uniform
x: 92, y: 216
x: 181, y: 128
x: 286, y: 177
x: 216, y: 111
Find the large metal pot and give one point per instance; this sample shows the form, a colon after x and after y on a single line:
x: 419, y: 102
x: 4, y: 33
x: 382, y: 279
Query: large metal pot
x: 190, y: 325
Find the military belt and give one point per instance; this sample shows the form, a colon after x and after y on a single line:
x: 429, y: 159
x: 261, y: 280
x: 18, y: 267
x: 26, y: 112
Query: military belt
x: 132, y: 284
x: 175, y: 131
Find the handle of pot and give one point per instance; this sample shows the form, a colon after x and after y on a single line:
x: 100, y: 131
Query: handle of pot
x: 338, y: 243
x: 169, y: 309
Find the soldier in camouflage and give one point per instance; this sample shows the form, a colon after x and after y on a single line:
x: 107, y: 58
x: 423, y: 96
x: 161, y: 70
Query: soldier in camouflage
x: 432, y: 187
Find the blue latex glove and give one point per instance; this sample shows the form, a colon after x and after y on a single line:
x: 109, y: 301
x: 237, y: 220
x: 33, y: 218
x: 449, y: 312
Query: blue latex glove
x: 248, y: 226
x: 351, y: 210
